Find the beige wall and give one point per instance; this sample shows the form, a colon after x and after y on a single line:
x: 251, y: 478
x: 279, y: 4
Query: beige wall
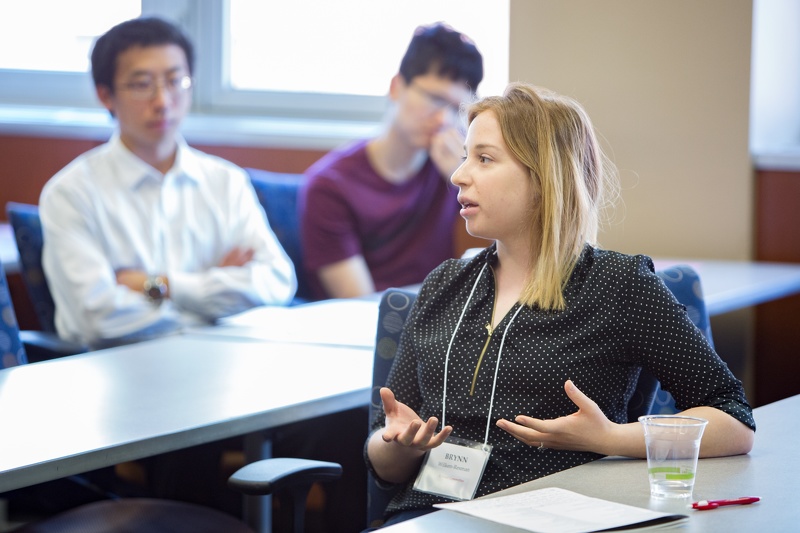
x: 667, y: 84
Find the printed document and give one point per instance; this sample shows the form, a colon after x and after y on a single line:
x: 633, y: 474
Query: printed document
x: 555, y: 510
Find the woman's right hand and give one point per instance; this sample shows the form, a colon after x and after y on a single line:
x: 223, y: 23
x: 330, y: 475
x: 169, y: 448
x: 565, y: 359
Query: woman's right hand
x: 396, y: 451
x: 406, y: 428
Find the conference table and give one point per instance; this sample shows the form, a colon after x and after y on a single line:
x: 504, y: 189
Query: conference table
x: 84, y: 412
x: 335, y: 322
x: 771, y: 471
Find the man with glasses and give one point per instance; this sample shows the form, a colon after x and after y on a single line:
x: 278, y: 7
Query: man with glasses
x: 145, y: 235
x: 381, y: 212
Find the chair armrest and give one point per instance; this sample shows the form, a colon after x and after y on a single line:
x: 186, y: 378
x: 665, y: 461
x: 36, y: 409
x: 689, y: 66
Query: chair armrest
x: 272, y: 475
x: 42, y: 345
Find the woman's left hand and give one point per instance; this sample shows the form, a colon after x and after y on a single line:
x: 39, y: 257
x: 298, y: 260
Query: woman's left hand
x: 587, y: 429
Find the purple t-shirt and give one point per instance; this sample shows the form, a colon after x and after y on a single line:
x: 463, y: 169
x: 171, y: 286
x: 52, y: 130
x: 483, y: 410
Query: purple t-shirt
x: 403, y: 231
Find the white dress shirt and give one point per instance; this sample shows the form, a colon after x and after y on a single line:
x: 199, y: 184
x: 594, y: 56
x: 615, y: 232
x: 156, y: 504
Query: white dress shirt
x: 108, y: 210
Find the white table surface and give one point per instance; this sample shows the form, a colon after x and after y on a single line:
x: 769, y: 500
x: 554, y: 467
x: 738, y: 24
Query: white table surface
x: 84, y: 412
x: 337, y: 322
x: 771, y: 471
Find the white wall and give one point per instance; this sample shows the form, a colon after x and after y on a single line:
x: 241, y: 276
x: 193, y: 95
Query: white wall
x: 667, y: 83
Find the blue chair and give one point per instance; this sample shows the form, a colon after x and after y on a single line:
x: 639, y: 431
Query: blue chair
x: 12, y: 352
x: 393, y: 310
x: 278, y: 194
x: 684, y: 282
x: 24, y: 219
x: 44, y: 343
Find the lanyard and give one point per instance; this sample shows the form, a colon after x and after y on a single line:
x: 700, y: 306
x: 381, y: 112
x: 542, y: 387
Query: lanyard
x: 496, y: 367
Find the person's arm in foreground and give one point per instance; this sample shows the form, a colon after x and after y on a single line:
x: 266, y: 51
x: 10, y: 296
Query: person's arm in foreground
x: 588, y: 429
x: 396, y: 451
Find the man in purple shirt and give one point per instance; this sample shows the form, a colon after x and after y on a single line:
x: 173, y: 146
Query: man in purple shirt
x: 381, y: 212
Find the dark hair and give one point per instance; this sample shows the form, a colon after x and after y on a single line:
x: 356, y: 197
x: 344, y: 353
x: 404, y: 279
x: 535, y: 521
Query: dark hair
x: 441, y: 50
x: 144, y: 31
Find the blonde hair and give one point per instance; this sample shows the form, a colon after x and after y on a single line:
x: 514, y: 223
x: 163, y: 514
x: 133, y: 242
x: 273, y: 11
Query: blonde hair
x: 554, y: 138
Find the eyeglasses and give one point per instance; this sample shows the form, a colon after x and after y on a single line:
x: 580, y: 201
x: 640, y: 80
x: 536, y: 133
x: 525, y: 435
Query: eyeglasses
x: 437, y: 102
x: 146, y: 88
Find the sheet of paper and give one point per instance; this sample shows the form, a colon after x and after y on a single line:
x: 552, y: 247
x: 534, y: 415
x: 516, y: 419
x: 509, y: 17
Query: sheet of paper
x: 336, y: 322
x: 555, y: 510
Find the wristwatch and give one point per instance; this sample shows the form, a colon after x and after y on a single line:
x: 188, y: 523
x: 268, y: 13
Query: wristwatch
x: 155, y: 289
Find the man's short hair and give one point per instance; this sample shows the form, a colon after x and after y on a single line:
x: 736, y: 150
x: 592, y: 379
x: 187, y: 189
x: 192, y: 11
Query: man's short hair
x: 441, y: 50
x: 143, y: 31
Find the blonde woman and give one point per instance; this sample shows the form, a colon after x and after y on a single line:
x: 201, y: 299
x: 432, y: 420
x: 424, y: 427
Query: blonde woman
x: 520, y: 361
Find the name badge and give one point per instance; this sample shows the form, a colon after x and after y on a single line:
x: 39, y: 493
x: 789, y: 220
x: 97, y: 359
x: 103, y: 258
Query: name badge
x: 453, y: 469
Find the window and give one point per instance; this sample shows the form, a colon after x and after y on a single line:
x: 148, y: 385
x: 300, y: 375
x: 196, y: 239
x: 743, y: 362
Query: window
x: 61, y: 37
x: 287, y: 65
x: 340, y: 59
x: 46, y: 46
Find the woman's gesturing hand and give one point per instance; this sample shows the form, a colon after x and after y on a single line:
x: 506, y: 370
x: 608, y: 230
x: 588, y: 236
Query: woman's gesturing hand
x: 406, y: 428
x: 587, y: 429
x: 397, y: 450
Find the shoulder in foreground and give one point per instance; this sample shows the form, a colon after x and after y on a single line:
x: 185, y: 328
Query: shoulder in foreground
x: 612, y: 262
x: 451, y: 268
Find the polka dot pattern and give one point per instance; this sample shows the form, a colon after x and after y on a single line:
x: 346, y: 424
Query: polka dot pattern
x: 620, y: 317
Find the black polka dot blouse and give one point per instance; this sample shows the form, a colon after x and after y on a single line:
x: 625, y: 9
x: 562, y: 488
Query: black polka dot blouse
x: 619, y: 318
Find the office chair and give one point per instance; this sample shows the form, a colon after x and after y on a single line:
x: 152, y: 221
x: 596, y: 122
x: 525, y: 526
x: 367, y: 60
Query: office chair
x: 684, y: 283
x: 44, y: 343
x: 393, y: 310
x: 278, y: 194
x: 27, y: 226
x: 148, y: 515
x: 12, y: 352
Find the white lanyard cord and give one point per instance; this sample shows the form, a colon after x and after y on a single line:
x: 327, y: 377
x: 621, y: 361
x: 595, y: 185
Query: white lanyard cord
x: 496, y: 367
x: 453, y: 338
x: 496, y: 370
